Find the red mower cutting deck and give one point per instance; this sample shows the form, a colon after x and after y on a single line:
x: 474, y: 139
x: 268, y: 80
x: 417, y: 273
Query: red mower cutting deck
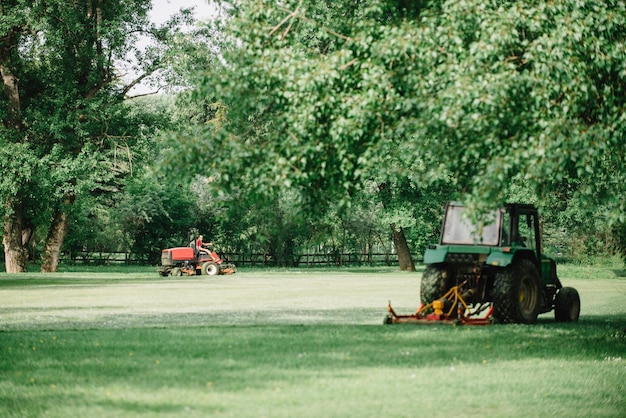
x: 489, y: 272
x: 451, y: 308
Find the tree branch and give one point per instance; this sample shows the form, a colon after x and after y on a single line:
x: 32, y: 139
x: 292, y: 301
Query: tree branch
x: 136, y: 81
x: 143, y: 94
x: 290, y: 16
x: 294, y: 14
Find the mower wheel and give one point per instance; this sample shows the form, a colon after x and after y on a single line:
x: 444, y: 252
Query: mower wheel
x: 517, y: 293
x: 210, y: 269
x: 567, y: 305
x: 176, y: 272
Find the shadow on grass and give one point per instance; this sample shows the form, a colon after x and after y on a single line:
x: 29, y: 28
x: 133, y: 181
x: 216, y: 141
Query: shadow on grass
x: 308, y: 338
x: 124, y: 370
x: 620, y: 273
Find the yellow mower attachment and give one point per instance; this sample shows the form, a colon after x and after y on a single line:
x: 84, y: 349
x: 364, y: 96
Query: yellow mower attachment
x: 451, y: 308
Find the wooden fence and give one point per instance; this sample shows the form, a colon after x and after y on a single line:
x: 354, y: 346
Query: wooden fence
x: 243, y: 259
x: 100, y: 258
x: 313, y: 259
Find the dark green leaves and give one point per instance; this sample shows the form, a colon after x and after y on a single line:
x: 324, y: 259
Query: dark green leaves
x: 322, y: 96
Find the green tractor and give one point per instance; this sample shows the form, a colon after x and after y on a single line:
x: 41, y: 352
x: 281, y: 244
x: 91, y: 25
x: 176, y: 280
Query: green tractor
x: 491, y: 272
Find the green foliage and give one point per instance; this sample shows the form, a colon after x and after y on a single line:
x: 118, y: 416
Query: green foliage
x: 67, y: 134
x: 532, y: 100
x: 18, y: 164
x: 157, y: 213
x: 113, y: 214
x: 323, y: 96
x: 419, y: 210
x: 65, y: 117
x: 303, y: 109
x: 93, y: 228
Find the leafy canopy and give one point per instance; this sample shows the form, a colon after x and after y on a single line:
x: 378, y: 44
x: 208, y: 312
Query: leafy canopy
x: 324, y: 96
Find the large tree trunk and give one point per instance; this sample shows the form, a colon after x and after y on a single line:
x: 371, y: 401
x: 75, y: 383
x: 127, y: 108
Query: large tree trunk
x: 404, y: 254
x: 56, y: 235
x: 405, y: 260
x: 10, y: 83
x: 14, y: 251
x: 11, y: 90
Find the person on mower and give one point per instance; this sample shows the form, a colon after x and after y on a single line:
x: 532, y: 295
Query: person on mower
x: 201, y: 246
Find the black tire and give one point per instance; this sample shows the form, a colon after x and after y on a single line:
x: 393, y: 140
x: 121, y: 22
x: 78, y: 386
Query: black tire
x: 210, y: 269
x: 176, y: 272
x: 517, y: 294
x: 567, y: 305
x: 436, y: 281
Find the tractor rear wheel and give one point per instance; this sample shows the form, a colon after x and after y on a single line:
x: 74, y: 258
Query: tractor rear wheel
x: 210, y: 269
x: 435, y: 283
x: 517, y: 294
x: 567, y: 305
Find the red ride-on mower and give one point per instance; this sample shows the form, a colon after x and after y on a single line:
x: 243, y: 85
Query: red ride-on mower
x: 189, y: 261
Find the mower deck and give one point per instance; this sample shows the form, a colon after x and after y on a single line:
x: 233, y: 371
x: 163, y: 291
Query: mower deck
x: 458, y: 312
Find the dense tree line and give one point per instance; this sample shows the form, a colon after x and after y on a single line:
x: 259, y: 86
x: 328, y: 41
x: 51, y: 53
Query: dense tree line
x: 309, y: 124
x: 490, y: 100
x: 68, y: 136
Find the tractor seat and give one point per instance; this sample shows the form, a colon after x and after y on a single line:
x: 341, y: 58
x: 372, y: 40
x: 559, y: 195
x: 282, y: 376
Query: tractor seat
x: 192, y: 244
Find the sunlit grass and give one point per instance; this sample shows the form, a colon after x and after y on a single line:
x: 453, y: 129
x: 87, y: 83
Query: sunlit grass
x: 293, y: 343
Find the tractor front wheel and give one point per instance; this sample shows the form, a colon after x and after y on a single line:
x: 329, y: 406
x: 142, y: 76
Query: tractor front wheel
x: 517, y: 294
x: 210, y: 269
x: 567, y: 305
x: 176, y: 272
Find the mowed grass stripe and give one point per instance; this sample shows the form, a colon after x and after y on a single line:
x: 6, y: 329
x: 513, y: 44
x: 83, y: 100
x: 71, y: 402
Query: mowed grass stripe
x: 306, y: 344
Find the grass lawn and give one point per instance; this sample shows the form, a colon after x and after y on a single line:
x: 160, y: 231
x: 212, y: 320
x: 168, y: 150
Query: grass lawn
x: 295, y: 343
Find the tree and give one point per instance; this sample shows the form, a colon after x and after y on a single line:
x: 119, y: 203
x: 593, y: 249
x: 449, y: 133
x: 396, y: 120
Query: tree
x: 156, y: 213
x: 65, y: 128
x: 322, y: 96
